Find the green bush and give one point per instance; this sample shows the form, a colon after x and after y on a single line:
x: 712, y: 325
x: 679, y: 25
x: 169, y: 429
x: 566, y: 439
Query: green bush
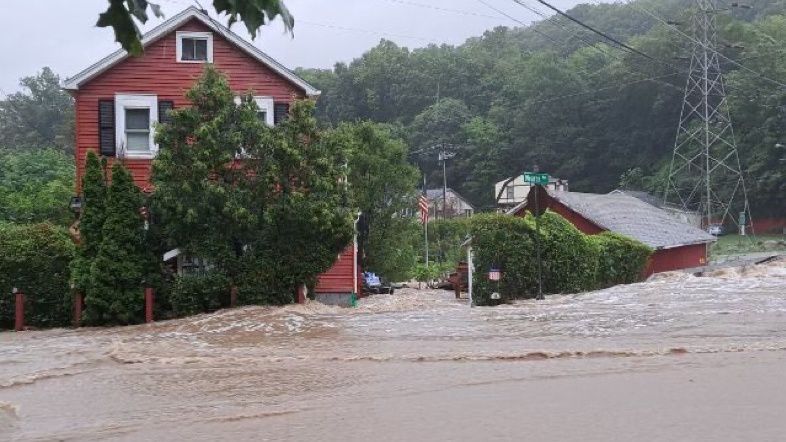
x: 570, y: 258
x: 621, y: 260
x: 35, y: 258
x: 572, y: 261
x: 507, y: 243
x: 198, y: 293
x: 124, y: 263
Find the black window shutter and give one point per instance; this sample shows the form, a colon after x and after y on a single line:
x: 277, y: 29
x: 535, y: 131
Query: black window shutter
x: 280, y: 112
x: 164, y: 108
x: 106, y: 127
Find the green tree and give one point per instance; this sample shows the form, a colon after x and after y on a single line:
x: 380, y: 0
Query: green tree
x: 39, y: 116
x: 91, y: 220
x: 35, y: 186
x: 266, y: 206
x: 383, y: 188
x: 122, y: 265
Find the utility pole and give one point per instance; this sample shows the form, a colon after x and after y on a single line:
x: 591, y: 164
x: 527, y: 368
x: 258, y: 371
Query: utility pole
x: 706, y: 175
x: 444, y: 156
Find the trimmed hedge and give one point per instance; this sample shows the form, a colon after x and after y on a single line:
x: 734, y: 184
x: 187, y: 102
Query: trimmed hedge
x: 35, y: 258
x: 572, y: 261
x: 198, y: 293
x: 621, y: 260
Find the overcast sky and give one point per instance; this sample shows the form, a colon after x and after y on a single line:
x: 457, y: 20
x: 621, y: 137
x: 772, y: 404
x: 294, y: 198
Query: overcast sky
x: 61, y: 34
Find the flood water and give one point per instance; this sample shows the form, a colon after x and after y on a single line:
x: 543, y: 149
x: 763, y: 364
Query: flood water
x: 676, y: 358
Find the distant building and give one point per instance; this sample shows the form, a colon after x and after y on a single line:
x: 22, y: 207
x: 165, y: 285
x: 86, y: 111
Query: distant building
x: 457, y: 205
x: 678, y: 245
x: 515, y: 192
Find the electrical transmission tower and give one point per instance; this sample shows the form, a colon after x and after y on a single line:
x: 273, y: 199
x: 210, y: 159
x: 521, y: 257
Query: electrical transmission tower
x: 705, y: 176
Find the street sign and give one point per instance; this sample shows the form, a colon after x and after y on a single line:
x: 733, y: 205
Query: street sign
x: 536, y: 178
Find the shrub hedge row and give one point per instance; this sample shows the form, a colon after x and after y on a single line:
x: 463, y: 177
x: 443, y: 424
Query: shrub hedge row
x: 36, y: 257
x: 572, y: 261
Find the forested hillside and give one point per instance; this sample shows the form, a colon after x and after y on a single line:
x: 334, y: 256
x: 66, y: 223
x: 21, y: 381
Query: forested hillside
x: 553, y: 94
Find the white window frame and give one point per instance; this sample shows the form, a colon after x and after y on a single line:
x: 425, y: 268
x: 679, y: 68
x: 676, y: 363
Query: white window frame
x: 266, y: 104
x: 135, y: 101
x: 198, y: 35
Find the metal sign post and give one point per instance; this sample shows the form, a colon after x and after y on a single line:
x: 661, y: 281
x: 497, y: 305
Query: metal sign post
x: 537, y: 180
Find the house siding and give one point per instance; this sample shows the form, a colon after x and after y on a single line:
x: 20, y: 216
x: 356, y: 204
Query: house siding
x: 685, y: 257
x: 158, y: 72
x: 339, y: 278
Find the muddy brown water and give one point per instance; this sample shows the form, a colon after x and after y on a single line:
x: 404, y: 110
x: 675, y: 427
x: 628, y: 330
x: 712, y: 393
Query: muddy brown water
x: 628, y: 363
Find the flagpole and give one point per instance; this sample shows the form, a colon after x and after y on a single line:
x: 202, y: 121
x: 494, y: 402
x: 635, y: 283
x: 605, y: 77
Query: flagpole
x: 425, y: 224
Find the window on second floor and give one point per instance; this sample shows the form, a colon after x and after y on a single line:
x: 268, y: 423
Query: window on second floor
x: 510, y: 192
x: 195, y: 47
x: 136, y: 116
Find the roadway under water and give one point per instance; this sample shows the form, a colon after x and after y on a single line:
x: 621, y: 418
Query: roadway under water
x: 676, y: 358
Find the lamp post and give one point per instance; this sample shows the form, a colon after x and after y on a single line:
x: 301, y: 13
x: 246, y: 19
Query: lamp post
x: 75, y: 205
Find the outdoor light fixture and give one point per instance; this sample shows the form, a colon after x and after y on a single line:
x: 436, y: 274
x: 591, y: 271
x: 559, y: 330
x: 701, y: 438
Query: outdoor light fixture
x: 75, y: 205
x: 14, y: 290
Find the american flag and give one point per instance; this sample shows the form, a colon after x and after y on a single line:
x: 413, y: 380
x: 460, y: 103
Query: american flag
x: 495, y: 274
x: 423, y: 204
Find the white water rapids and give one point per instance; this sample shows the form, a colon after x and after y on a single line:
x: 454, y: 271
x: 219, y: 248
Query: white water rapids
x: 318, y: 372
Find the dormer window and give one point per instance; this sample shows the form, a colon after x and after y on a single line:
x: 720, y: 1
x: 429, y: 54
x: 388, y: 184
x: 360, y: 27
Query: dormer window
x: 195, y: 47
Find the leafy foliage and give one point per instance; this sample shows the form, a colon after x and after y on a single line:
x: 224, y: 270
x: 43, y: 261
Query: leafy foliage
x: 512, y: 99
x: 266, y: 206
x: 620, y: 259
x: 382, y: 185
x: 39, y: 116
x: 91, y: 220
x: 198, y: 293
x: 123, y: 262
x: 35, y: 258
x: 572, y: 261
x: 35, y: 186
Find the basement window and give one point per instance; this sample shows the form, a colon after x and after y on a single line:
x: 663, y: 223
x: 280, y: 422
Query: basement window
x: 194, y: 47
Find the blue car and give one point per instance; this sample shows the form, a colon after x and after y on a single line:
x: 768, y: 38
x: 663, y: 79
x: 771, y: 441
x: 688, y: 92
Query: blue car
x: 373, y: 284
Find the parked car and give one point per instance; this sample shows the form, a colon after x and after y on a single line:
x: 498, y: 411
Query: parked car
x: 374, y: 285
x: 715, y: 229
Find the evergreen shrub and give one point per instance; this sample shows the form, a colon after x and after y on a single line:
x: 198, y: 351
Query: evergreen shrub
x: 621, y: 260
x: 198, y: 293
x: 35, y: 258
x: 572, y: 261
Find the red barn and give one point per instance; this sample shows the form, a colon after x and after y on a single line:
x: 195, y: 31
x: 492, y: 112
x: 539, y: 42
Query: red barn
x: 119, y: 99
x: 677, y: 245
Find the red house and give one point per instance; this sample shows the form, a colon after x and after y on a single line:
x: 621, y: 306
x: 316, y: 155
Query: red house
x: 677, y: 245
x: 119, y: 99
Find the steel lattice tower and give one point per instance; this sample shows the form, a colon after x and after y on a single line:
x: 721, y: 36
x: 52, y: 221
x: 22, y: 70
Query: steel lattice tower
x: 705, y: 175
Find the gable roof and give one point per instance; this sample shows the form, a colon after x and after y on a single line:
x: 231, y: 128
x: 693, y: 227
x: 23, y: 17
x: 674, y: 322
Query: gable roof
x: 170, y: 25
x: 630, y: 216
x: 436, y: 194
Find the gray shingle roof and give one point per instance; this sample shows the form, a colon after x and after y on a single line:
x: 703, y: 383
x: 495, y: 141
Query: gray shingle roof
x: 632, y: 217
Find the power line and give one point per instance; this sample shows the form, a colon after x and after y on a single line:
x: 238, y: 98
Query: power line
x: 694, y: 41
x: 438, y: 8
x: 557, y: 24
x: 616, y: 86
x: 367, y: 31
x: 529, y: 26
x: 601, y: 33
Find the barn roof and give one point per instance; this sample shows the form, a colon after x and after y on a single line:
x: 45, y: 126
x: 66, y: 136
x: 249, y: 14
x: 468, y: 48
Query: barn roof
x: 630, y: 216
x: 170, y: 25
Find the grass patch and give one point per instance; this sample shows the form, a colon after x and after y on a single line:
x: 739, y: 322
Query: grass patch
x: 736, y: 244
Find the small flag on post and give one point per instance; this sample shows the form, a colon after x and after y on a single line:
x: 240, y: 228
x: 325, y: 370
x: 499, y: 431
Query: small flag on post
x: 423, y: 204
x: 495, y: 274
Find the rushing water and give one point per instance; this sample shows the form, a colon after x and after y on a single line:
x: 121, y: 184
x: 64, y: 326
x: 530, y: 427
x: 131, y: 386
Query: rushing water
x: 314, y: 371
